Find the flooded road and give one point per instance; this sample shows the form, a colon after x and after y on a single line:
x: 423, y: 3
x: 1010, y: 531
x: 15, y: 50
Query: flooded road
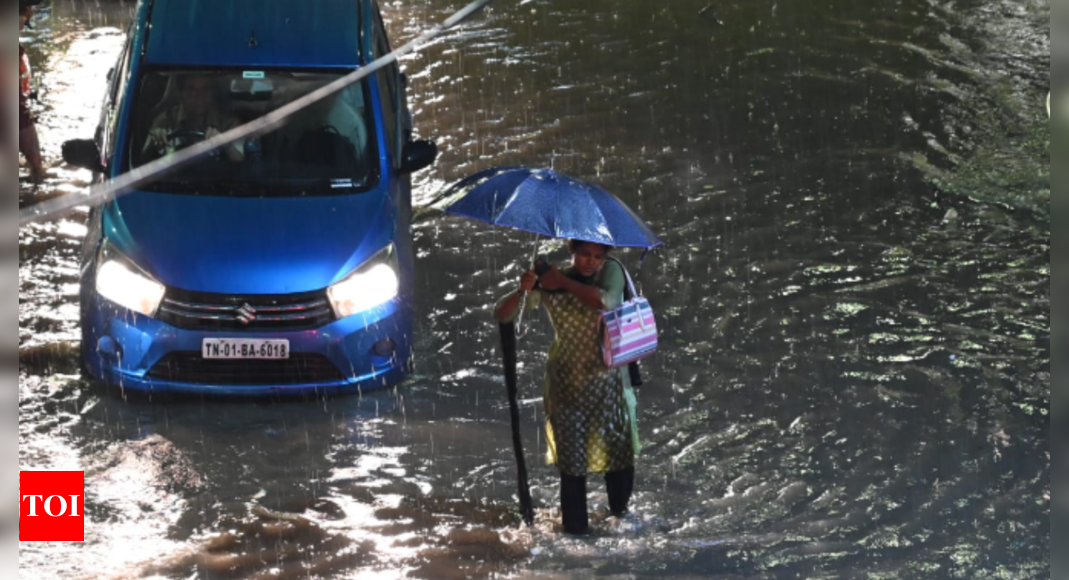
x: 854, y: 379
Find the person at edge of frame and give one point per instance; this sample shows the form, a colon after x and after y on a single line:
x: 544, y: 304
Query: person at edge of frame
x: 29, y: 144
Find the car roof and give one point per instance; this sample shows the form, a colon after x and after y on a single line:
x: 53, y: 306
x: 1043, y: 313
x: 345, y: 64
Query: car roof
x: 267, y: 33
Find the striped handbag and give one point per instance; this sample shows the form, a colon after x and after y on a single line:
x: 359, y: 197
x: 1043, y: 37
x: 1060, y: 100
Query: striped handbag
x: 628, y: 332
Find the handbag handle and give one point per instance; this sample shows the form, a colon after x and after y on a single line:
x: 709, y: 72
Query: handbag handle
x: 630, y: 292
x: 630, y: 283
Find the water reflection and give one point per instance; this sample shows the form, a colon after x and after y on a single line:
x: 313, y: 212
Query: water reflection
x: 856, y: 365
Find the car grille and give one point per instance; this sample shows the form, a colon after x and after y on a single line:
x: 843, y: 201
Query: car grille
x: 196, y: 311
x: 191, y: 367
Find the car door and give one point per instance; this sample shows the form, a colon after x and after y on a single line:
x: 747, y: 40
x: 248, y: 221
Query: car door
x: 391, y: 94
x: 397, y: 132
x: 106, y: 138
x: 118, y: 78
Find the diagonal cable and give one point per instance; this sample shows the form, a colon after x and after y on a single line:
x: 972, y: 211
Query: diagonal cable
x: 141, y: 176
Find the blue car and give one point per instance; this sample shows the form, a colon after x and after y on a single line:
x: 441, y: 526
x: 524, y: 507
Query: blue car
x: 281, y: 264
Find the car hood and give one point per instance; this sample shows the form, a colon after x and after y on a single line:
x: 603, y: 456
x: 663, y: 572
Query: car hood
x: 233, y: 245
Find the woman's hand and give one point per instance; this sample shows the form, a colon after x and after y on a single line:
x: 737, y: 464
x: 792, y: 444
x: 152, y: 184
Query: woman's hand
x: 507, y: 307
x: 552, y: 280
x: 528, y: 281
x: 588, y: 294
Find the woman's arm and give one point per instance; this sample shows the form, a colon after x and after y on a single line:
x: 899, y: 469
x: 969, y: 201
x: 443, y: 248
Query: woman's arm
x: 592, y: 296
x: 589, y: 295
x: 506, y: 309
x: 611, y: 281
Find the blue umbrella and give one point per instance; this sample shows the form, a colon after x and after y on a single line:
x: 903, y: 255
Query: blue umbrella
x: 542, y: 201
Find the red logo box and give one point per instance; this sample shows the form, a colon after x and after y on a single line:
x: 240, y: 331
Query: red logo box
x: 51, y: 506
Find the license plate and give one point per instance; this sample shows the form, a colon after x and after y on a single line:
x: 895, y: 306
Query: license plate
x: 228, y: 348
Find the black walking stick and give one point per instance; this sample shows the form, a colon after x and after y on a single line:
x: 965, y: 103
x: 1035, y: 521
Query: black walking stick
x: 508, y: 349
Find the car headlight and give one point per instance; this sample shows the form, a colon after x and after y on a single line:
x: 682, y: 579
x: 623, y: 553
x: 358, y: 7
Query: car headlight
x: 119, y: 281
x: 373, y: 284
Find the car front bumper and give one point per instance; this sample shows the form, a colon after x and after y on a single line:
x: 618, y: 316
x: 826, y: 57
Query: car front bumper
x: 139, y: 353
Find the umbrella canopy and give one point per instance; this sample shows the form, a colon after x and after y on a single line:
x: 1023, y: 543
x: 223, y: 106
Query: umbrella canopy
x: 542, y: 201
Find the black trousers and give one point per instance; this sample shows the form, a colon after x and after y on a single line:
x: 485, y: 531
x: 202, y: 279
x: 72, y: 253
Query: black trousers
x: 620, y: 484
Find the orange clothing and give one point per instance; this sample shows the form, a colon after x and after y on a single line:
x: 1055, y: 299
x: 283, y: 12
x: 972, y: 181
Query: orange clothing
x: 25, y: 73
x: 25, y: 77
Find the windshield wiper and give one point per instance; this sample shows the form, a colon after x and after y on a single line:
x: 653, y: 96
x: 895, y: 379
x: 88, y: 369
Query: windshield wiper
x: 264, y: 188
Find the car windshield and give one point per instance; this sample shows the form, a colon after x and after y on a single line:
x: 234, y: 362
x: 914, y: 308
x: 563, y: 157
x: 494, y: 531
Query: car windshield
x: 330, y: 143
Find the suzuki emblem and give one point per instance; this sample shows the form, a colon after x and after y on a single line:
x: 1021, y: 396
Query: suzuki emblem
x: 246, y: 314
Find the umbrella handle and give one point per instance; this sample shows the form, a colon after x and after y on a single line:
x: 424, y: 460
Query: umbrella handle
x: 519, y: 319
x: 523, y: 304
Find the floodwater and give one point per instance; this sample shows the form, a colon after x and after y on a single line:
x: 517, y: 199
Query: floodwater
x: 854, y: 379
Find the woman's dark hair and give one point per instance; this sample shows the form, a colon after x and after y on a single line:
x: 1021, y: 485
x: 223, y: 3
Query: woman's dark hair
x: 574, y: 245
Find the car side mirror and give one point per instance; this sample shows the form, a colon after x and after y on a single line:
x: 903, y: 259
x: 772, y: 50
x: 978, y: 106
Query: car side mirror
x: 83, y: 153
x: 419, y: 155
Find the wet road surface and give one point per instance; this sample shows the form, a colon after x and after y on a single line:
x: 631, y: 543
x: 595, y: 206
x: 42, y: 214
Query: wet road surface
x: 854, y: 379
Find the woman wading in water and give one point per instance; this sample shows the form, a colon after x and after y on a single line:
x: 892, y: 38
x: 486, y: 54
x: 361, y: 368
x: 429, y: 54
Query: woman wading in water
x: 591, y: 424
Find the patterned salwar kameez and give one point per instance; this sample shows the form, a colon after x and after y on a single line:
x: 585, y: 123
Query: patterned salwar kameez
x: 591, y: 425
